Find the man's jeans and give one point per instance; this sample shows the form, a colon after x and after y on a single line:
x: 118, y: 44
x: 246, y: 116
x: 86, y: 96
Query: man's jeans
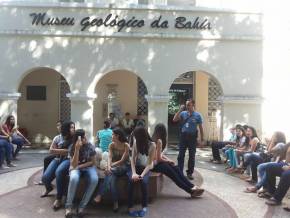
x: 90, y: 173
x: 187, y: 141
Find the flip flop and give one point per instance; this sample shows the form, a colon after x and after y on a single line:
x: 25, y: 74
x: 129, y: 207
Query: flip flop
x: 287, y: 208
x: 250, y: 190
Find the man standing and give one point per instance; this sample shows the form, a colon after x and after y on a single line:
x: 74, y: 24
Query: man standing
x: 189, y: 119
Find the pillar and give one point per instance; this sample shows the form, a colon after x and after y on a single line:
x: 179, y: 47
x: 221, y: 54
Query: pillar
x: 82, y: 107
x: 157, y: 110
x: 201, y: 98
x: 241, y: 110
x: 8, y: 105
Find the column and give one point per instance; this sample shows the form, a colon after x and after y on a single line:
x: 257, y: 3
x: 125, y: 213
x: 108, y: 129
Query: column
x: 242, y: 110
x: 8, y: 105
x: 82, y: 107
x: 201, y: 99
x: 157, y: 110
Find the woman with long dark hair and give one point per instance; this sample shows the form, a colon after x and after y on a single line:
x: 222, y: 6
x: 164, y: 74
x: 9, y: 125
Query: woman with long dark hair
x: 253, y: 143
x: 143, y: 154
x: 262, y: 160
x: 83, y: 160
x: 13, y: 134
x: 166, y: 166
x: 59, y: 166
x: 118, y: 162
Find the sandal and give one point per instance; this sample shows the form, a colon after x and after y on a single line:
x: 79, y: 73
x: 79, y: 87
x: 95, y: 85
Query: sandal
x: 251, y: 190
x: 68, y: 213
x: 264, y: 195
x: 217, y: 162
x: 287, y: 208
x: 56, y: 205
x: 47, y: 191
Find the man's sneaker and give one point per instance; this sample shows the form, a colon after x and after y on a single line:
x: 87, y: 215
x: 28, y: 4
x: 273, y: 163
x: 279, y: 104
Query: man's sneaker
x: 189, y: 176
x: 11, y: 165
x: 3, y: 167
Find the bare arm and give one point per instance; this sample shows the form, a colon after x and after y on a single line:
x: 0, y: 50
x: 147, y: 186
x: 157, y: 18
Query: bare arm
x: 133, y: 159
x: 124, y: 157
x: 54, y: 150
x: 150, y: 161
x: 200, y: 126
x: 177, y: 115
x: 254, y: 144
x: 75, y: 158
x: 159, y: 156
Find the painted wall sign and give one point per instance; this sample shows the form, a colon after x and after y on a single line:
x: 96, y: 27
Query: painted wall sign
x: 110, y: 20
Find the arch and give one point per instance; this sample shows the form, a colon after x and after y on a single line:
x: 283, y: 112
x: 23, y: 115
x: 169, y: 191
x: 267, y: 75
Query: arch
x: 203, y: 70
x: 103, y: 72
x: 30, y: 70
x: 43, y: 102
x: 127, y: 94
x: 210, y: 106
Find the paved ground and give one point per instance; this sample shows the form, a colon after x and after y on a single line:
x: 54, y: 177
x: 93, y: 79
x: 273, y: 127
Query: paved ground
x: 224, y: 196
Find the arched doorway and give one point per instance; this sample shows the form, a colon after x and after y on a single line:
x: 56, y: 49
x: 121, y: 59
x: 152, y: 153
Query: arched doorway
x: 206, y: 91
x: 42, y: 103
x: 120, y: 91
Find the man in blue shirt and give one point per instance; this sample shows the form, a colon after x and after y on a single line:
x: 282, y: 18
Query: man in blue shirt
x: 190, y: 120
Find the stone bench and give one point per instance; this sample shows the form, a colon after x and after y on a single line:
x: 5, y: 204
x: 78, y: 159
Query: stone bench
x: 155, y: 187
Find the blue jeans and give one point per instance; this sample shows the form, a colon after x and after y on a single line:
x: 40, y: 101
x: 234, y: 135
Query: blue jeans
x: 262, y: 174
x: 56, y: 169
x: 187, y: 141
x: 110, y: 182
x: 284, y: 184
x: 144, y: 186
x: 174, y: 173
x: 231, y: 154
x: 6, y: 149
x: 253, y: 160
x: 90, y: 173
x: 19, y: 141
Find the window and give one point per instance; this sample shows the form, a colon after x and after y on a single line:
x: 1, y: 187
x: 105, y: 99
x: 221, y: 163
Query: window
x: 36, y: 93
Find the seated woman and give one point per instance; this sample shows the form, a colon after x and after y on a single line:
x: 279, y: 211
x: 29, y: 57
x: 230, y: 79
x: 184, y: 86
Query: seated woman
x: 83, y: 158
x: 251, y: 143
x: 118, y: 162
x: 143, y: 154
x: 59, y: 167
x: 15, y: 137
x: 104, y: 136
x: 276, y: 150
x: 166, y: 166
x: 215, y: 146
x: 239, y: 145
x: 6, y: 150
x: 282, y: 170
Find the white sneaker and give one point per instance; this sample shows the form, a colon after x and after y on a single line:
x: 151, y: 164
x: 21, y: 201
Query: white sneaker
x: 4, y: 167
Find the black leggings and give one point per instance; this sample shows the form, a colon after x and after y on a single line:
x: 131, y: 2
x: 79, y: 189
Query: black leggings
x: 174, y: 173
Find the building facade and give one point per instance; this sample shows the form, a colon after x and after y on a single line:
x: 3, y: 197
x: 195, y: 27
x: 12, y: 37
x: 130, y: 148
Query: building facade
x: 63, y: 60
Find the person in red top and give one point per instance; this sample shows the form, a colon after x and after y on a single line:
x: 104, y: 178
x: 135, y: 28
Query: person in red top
x: 13, y: 134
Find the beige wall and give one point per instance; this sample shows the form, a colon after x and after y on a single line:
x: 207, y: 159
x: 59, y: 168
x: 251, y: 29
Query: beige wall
x: 126, y: 92
x: 40, y: 117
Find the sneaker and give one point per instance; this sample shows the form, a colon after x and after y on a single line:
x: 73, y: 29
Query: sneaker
x: 142, y: 213
x: 4, y: 167
x: 11, y: 165
x: 133, y: 213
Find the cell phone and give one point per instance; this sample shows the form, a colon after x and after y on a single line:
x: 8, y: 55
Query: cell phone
x: 79, y: 137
